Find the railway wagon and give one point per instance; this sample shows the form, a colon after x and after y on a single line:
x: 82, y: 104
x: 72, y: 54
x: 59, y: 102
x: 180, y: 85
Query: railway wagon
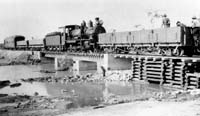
x: 11, y: 42
x: 22, y: 44
x: 54, y: 41
x: 165, y: 41
x: 36, y: 44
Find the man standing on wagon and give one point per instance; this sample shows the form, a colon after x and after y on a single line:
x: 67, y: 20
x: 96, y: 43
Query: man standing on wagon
x: 196, y: 31
x: 165, y: 21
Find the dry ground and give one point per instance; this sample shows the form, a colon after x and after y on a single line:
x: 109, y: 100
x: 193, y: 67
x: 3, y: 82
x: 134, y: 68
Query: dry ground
x: 144, y: 108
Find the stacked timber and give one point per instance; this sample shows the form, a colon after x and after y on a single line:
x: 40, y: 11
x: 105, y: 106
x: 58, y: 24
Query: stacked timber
x: 138, y: 68
x: 192, y: 81
x: 174, y: 72
x: 154, y: 70
x: 178, y: 73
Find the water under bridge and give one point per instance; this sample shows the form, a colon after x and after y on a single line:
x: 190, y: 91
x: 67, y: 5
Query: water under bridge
x: 182, y: 72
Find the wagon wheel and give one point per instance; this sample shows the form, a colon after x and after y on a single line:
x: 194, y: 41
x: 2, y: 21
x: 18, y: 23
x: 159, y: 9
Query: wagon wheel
x: 167, y: 52
x: 178, y: 52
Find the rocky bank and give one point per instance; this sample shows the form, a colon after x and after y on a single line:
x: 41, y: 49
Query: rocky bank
x: 17, y: 57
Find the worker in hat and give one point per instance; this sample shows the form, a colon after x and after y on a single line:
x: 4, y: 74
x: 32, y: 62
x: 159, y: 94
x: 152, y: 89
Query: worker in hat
x: 165, y: 21
x: 97, y: 21
x: 195, y: 22
x: 83, y: 27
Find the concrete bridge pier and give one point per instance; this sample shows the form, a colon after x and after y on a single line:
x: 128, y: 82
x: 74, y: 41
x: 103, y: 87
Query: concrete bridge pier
x: 110, y: 62
x: 94, y: 62
x: 107, y: 62
x: 62, y: 63
x: 37, y: 54
x: 56, y: 63
x: 81, y: 65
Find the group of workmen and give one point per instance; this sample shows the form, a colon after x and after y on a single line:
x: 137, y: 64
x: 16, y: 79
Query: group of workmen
x: 195, y: 27
x: 166, y: 22
x: 90, y: 28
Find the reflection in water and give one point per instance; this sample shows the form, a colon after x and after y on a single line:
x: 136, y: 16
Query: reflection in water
x: 131, y: 90
x: 86, y: 94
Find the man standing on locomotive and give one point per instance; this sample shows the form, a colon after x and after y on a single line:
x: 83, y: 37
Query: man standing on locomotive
x: 98, y: 28
x: 195, y: 22
x: 165, y: 21
x: 97, y: 21
x: 83, y: 27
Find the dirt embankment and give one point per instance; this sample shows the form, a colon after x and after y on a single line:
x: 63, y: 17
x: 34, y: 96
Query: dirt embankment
x: 181, y: 103
x: 177, y: 103
x: 17, y: 57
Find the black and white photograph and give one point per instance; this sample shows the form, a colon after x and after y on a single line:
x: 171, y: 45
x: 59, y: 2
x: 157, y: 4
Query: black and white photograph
x: 99, y: 58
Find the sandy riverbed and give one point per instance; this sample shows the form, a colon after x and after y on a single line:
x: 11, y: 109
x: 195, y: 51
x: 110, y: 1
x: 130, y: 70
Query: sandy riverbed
x: 144, y: 108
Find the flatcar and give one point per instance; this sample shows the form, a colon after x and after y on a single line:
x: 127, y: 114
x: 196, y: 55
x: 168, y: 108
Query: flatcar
x: 163, y: 41
x: 36, y: 44
x: 11, y: 42
x: 22, y: 45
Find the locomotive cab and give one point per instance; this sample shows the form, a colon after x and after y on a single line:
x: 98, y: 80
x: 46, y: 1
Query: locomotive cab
x: 71, y: 35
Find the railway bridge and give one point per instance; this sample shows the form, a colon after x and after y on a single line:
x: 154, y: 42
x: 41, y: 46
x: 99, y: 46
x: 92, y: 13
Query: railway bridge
x: 181, y: 72
x: 91, y: 61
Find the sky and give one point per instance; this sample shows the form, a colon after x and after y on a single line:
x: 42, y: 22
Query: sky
x: 36, y: 18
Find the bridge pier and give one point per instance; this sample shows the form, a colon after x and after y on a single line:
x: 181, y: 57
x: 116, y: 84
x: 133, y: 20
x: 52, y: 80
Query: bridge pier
x: 99, y: 62
x: 107, y: 62
x: 37, y: 54
x: 80, y: 65
x: 56, y: 63
x: 113, y: 63
x: 62, y: 63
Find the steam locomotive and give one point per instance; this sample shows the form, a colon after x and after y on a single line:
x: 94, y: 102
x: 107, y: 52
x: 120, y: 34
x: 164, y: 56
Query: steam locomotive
x: 173, y: 41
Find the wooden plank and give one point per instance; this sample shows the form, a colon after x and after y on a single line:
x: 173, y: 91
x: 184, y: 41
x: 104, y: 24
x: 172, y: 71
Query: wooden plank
x: 151, y: 79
